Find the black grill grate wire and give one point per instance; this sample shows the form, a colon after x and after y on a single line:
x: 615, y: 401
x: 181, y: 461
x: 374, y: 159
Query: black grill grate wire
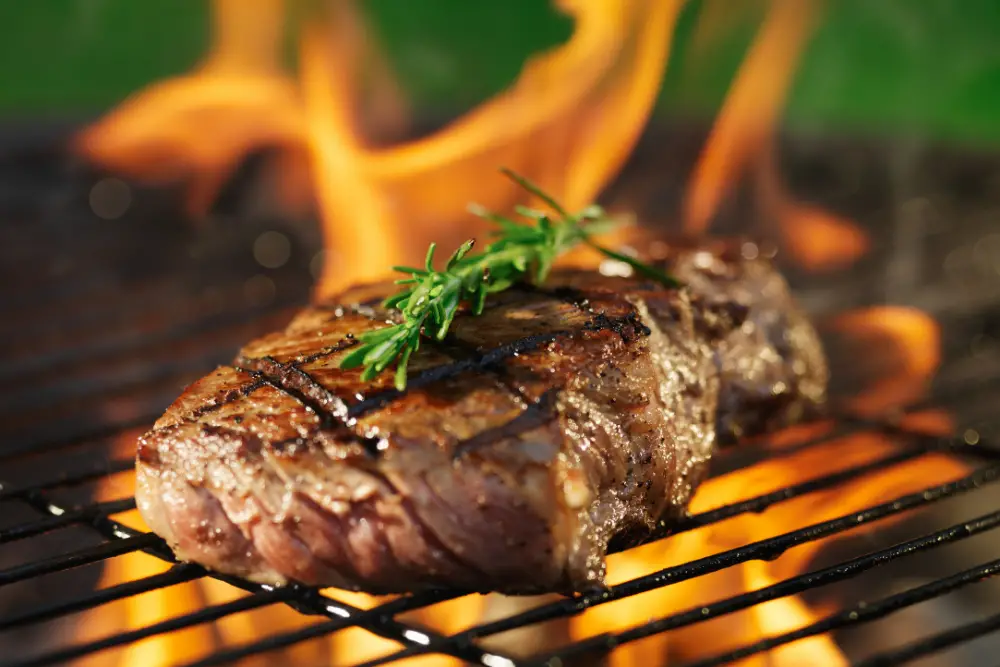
x: 120, y: 540
x: 380, y: 620
x: 934, y: 643
x: 88, y: 337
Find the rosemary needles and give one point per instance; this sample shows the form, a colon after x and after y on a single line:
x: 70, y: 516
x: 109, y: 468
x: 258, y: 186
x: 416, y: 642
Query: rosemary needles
x: 430, y: 298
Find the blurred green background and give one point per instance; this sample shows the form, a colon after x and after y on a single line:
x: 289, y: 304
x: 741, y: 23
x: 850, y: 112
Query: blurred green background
x: 930, y: 67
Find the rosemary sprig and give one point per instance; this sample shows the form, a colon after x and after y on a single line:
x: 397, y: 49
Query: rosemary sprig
x: 431, y: 298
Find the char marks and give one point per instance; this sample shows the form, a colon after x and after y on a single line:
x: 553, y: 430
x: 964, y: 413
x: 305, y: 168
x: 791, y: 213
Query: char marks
x: 526, y: 440
x: 233, y: 395
x: 303, y: 387
x: 535, y: 415
x: 343, y: 344
x: 339, y: 416
x: 482, y: 361
x: 628, y: 326
x: 543, y: 410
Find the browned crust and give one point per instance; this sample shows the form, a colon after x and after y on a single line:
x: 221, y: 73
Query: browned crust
x: 524, y: 442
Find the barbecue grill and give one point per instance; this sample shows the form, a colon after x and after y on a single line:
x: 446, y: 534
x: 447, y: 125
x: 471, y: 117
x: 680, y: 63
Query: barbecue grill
x: 109, y: 318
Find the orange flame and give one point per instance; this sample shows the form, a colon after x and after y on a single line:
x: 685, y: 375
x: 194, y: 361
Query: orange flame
x: 139, y: 611
x: 743, y: 139
x: 143, y: 610
x: 569, y: 122
x: 615, y: 59
x: 161, y: 133
x: 583, y: 103
x: 904, y: 342
x: 778, y: 616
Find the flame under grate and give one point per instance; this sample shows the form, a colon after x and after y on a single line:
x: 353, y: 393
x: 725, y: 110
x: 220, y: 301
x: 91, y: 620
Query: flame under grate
x: 381, y: 620
x: 90, y: 359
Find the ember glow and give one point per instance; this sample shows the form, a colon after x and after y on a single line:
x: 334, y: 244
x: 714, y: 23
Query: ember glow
x: 569, y: 122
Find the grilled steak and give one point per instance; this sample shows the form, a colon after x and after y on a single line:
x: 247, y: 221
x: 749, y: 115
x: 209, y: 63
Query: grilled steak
x: 558, y: 419
x: 773, y: 369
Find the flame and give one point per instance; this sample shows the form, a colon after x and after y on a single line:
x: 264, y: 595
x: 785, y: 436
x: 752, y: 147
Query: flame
x: 160, y: 134
x: 743, y: 139
x: 778, y: 616
x: 905, y: 345
x: 140, y: 611
x: 424, y: 186
x: 584, y: 102
x: 569, y: 122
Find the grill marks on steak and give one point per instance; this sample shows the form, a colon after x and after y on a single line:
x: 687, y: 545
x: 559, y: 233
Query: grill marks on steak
x: 556, y: 420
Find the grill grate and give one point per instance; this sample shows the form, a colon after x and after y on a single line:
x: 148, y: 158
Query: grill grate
x: 90, y: 360
x: 119, y: 539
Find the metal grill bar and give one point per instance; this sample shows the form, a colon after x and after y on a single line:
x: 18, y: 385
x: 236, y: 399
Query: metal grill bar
x: 933, y: 644
x: 161, y: 350
x: 762, y: 502
x: 378, y: 620
x: 791, y: 586
x: 125, y: 380
x: 32, y: 297
x: 848, y: 423
x: 63, y: 479
x: 272, y: 643
x: 768, y: 548
x: 76, y: 558
x: 45, y: 445
x: 459, y: 644
x: 846, y: 426
x: 151, y: 298
x: 206, y: 615
x: 361, y: 618
x: 129, y: 343
x: 763, y: 550
x: 306, y: 600
x: 48, y: 445
x: 141, y: 409
x: 80, y: 515
x: 175, y: 575
x: 861, y: 613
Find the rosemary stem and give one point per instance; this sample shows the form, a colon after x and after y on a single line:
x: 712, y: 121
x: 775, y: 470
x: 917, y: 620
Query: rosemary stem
x: 433, y: 297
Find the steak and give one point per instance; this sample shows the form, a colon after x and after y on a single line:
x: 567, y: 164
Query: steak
x: 561, y: 417
x: 774, y: 373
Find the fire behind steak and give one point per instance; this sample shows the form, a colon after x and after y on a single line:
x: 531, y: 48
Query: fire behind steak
x: 561, y: 417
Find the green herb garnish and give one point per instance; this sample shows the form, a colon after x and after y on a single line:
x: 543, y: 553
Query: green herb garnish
x: 432, y: 298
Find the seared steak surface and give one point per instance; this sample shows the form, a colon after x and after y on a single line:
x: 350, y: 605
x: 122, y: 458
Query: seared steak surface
x: 774, y: 372
x: 559, y: 418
